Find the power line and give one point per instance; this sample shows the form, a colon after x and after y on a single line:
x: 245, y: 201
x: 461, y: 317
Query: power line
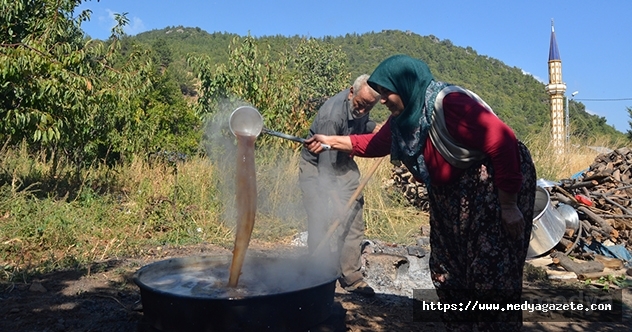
x: 598, y: 99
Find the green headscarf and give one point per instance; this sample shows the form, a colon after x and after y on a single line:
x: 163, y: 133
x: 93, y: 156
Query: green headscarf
x: 411, y: 79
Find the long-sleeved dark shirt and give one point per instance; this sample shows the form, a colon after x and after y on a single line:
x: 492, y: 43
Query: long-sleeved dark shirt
x: 335, y: 118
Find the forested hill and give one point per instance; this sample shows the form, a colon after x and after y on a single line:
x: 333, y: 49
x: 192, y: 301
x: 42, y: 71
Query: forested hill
x: 518, y: 99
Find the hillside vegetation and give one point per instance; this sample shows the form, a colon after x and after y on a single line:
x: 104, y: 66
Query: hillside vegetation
x: 517, y: 98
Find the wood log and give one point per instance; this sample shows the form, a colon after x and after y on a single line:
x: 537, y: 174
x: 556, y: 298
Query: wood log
x: 609, y: 262
x: 410, y: 190
x: 398, y: 179
x: 604, y: 227
x: 565, y: 199
x: 613, y: 202
x: 570, y: 196
x: 597, y: 236
x: 585, y: 184
x: 569, y: 233
x: 616, y: 216
x: 576, y: 267
x: 622, y: 188
x: 616, y: 175
x: 599, y: 176
x: 564, y: 245
x: 407, y: 176
x: 399, y: 170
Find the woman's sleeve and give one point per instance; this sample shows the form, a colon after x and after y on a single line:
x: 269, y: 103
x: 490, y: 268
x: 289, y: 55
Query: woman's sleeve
x: 474, y: 126
x: 372, y: 145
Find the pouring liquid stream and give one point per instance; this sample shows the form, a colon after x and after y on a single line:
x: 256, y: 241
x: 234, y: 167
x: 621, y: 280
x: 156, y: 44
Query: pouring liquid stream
x: 246, y: 203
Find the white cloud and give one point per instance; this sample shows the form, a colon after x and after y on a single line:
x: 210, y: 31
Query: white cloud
x: 110, y: 21
x: 134, y: 26
x: 537, y: 78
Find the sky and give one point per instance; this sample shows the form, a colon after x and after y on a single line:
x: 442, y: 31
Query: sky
x: 594, y: 38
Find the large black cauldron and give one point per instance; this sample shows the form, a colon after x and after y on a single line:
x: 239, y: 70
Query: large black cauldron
x: 278, y: 294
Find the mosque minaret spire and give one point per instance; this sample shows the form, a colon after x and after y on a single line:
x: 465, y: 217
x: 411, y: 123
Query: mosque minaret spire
x: 556, y: 89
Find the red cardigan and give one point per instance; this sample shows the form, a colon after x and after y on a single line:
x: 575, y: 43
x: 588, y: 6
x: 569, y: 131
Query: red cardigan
x: 470, y: 124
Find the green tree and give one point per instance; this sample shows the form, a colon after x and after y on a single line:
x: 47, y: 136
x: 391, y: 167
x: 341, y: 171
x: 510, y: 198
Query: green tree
x: 60, y: 91
x: 286, y: 91
x: 163, y: 120
x: 163, y: 55
x: 518, y: 98
x: 321, y: 71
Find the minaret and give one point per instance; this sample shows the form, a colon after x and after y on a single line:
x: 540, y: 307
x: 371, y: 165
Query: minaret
x: 556, y: 89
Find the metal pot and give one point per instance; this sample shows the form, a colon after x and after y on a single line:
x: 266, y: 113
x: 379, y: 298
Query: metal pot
x: 179, y: 294
x: 548, y: 225
x: 570, y: 216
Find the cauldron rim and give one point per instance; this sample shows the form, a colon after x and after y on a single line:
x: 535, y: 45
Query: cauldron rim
x: 143, y: 286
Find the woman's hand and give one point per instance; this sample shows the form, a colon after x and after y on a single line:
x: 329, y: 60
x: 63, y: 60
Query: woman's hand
x: 315, y: 143
x: 513, y: 221
x: 340, y: 143
x: 512, y: 218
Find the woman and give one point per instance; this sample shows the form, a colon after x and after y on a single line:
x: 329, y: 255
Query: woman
x: 480, y: 180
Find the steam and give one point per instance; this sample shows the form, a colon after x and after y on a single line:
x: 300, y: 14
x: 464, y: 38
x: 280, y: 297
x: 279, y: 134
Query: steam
x: 221, y: 149
x: 206, y: 277
x: 279, y: 197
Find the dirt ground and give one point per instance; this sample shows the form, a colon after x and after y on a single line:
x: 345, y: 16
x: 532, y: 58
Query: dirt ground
x: 104, y: 298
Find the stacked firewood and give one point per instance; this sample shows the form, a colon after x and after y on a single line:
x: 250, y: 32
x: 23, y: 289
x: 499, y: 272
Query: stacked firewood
x: 414, y: 192
x: 602, y: 197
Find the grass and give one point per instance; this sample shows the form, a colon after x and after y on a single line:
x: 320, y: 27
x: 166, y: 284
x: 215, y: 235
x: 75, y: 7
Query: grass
x: 387, y: 217
x: 55, y: 216
x: 578, y: 157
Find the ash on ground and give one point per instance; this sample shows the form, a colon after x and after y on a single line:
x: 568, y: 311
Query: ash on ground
x: 397, y: 269
x: 392, y: 268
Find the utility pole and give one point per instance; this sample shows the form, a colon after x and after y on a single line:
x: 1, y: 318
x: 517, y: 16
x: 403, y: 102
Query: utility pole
x: 568, y: 129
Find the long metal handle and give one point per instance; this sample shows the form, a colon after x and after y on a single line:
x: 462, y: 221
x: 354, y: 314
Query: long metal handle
x: 290, y: 137
x: 282, y: 135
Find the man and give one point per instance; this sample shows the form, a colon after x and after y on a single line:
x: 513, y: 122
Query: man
x: 328, y: 181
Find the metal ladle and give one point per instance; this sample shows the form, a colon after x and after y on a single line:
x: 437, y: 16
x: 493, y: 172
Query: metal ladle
x: 247, y: 121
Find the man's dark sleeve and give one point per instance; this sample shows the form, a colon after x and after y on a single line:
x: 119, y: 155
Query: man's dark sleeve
x: 370, y: 126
